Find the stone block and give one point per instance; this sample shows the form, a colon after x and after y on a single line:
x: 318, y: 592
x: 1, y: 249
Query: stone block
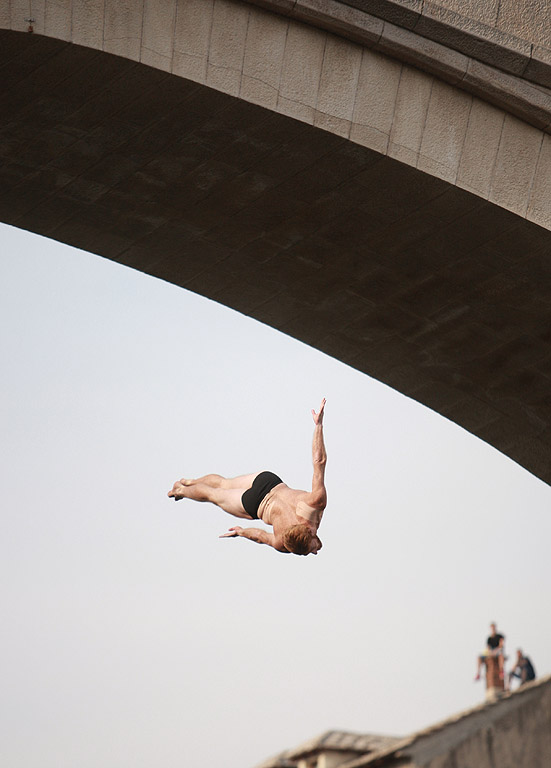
x: 412, y: 101
x: 539, y: 206
x: 511, y: 93
x: 376, y: 94
x: 421, y: 51
x: 529, y: 20
x: 191, y: 67
x: 444, y: 131
x: 158, y: 33
x: 370, y: 137
x: 57, y: 19
x: 87, y: 23
x: 123, y: 28
x: 340, y: 19
x: 404, y: 13
x: 192, y: 39
x: 301, y: 73
x: 480, y: 148
x: 516, y: 161
x: 5, y: 17
x: 485, y: 12
x: 333, y: 124
x: 473, y: 38
x: 224, y: 79
x: 338, y: 85
x: 258, y: 92
x: 539, y: 68
x: 263, y: 59
x: 227, y: 46
x: 154, y: 59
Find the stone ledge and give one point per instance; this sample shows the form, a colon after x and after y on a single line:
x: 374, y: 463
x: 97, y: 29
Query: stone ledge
x: 511, y: 73
x: 474, y: 39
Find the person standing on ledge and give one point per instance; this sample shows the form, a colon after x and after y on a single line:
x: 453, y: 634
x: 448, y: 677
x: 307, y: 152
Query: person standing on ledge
x: 495, y: 646
x: 294, y: 515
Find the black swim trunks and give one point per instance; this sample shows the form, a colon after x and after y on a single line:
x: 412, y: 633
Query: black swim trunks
x: 262, y: 484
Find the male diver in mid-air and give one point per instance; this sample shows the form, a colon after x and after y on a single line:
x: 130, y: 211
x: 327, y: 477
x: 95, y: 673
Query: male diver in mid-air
x: 294, y: 515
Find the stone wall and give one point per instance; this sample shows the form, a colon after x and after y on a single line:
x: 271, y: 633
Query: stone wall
x: 519, y: 737
x: 512, y: 732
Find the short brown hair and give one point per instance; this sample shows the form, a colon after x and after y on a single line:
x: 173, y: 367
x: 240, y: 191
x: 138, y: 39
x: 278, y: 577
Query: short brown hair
x: 298, y: 539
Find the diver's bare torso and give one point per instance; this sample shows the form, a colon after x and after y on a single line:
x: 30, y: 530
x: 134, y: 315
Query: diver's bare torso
x: 284, y: 507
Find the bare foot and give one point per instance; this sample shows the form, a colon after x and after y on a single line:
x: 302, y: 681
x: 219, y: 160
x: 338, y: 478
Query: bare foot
x: 178, y: 490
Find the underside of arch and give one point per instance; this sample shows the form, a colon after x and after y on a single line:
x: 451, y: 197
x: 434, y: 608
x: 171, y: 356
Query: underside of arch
x: 438, y: 293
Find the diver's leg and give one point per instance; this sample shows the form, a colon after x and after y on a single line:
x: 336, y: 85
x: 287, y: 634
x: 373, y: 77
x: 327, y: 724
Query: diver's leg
x: 218, y: 481
x: 228, y: 499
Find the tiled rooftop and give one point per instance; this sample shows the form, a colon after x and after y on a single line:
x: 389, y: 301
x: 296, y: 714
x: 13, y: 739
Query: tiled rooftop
x: 340, y: 741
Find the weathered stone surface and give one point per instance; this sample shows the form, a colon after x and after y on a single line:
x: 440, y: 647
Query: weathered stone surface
x: 485, y: 12
x: 444, y: 132
x: 473, y: 38
x: 539, y: 206
x: 263, y: 60
x: 539, y: 67
x: 501, y: 35
x: 373, y: 115
x: 57, y: 19
x: 424, y: 53
x: 338, y: 86
x: 524, y: 100
x: 410, y: 113
x: 480, y: 148
x: 157, y: 43
x: 122, y: 28
x: 515, y: 167
x: 341, y: 19
x: 301, y: 73
x: 87, y: 22
x: 527, y: 19
x: 227, y: 46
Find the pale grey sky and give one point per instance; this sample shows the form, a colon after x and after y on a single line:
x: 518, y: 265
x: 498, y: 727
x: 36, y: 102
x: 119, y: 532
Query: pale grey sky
x: 133, y: 637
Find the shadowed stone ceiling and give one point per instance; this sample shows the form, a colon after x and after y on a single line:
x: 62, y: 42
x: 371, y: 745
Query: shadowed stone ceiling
x: 438, y: 293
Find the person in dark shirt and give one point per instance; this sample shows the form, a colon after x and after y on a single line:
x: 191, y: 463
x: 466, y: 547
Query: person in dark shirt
x: 523, y: 669
x: 495, y: 646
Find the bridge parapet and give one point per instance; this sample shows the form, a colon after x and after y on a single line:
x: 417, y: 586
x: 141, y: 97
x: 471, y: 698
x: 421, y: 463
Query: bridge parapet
x: 514, y: 38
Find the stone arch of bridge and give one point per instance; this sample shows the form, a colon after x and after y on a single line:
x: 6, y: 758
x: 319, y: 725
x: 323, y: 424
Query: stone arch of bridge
x: 392, y: 253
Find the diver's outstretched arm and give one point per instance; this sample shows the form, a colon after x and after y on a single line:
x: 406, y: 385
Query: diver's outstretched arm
x: 254, y: 534
x: 318, y: 497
